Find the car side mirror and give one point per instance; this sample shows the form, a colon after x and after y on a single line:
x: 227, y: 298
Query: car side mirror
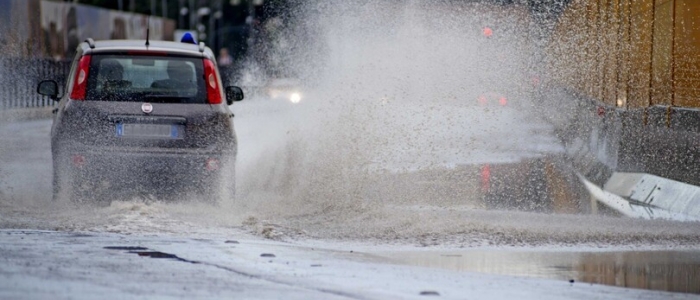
x: 48, y: 88
x: 233, y: 93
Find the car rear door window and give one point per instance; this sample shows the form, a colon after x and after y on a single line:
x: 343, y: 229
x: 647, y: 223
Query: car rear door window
x: 147, y: 78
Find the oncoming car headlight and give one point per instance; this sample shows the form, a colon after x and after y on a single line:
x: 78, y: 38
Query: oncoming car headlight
x: 295, y: 97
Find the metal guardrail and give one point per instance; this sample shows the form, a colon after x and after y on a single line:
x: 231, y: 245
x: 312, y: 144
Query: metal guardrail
x: 20, y: 76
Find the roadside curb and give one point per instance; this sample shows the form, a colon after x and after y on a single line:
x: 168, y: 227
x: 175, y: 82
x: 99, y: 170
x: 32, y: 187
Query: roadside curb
x: 25, y: 114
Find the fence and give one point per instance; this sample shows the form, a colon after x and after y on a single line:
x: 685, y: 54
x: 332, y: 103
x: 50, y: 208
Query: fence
x: 20, y: 76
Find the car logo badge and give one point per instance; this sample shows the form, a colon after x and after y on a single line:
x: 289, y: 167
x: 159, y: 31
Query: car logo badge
x: 147, y: 107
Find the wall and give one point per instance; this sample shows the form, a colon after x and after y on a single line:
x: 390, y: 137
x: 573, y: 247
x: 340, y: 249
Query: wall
x: 42, y: 28
x: 39, y: 37
x: 629, y: 53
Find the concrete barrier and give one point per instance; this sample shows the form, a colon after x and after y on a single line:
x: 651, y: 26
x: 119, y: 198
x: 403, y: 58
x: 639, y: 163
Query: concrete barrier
x: 23, y: 114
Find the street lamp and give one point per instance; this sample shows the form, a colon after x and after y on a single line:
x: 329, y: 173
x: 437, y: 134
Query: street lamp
x: 203, y: 11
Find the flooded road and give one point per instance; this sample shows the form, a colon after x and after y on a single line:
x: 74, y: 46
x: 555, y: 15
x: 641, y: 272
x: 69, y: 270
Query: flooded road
x: 674, y: 271
x: 523, y: 205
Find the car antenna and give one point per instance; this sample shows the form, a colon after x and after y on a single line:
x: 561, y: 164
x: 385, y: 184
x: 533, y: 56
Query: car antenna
x: 148, y: 26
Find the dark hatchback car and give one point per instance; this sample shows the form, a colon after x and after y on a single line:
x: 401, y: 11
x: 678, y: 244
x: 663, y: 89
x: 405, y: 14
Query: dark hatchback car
x: 143, y: 118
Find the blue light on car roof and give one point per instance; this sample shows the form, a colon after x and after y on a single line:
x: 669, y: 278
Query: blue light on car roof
x: 188, y: 38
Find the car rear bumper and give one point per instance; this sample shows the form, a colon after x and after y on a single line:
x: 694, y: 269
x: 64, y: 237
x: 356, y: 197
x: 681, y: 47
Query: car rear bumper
x: 161, y: 171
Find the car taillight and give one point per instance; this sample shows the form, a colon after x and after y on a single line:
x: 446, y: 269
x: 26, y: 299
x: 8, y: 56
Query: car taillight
x: 78, y: 160
x: 80, y: 83
x: 212, y: 82
x: 485, y: 178
x: 212, y: 164
x: 503, y: 101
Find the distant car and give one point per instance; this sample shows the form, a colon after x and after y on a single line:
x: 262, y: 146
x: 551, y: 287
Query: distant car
x: 288, y: 89
x: 142, y: 117
x: 492, y: 99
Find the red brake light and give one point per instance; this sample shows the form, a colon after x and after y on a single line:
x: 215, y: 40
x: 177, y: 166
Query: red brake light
x: 485, y: 178
x: 503, y: 101
x: 212, y: 164
x: 212, y: 82
x: 78, y: 160
x: 601, y: 111
x: 80, y: 83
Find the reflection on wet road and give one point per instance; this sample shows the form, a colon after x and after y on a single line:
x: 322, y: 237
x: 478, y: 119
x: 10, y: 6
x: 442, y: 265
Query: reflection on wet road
x: 675, y: 271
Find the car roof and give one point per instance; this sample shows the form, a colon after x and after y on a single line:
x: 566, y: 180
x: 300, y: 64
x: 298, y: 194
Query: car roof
x: 187, y: 49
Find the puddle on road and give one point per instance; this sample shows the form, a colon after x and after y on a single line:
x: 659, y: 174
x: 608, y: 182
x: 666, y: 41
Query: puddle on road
x: 674, y: 271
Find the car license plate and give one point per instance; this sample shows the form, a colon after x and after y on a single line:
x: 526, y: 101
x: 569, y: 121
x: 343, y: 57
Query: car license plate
x: 164, y: 131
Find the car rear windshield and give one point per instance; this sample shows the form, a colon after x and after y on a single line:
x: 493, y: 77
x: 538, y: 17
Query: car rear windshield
x: 165, y: 79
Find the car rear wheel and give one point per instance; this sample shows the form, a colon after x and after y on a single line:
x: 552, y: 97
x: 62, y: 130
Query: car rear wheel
x: 62, y: 183
x: 229, y: 189
x: 228, y: 182
x: 223, y: 189
x: 68, y: 186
